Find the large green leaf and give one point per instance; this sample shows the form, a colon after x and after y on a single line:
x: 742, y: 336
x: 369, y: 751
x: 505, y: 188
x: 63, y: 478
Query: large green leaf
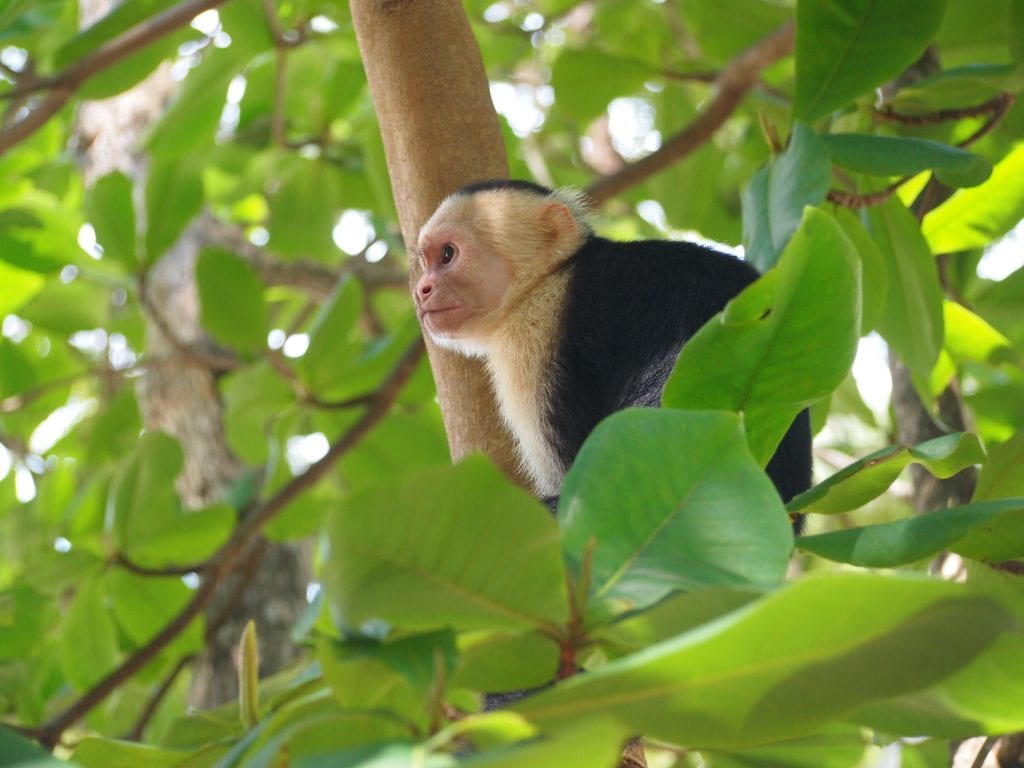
x: 765, y: 673
x: 973, y: 218
x: 231, y: 304
x: 986, y: 696
x: 68, y: 307
x: 460, y: 548
x: 912, y: 318
x: 784, y: 342
x: 593, y: 742
x: 143, y: 605
x: 869, y: 477
x: 671, y: 500
x: 774, y: 201
x: 844, y: 48
x: 906, y: 541
x: 305, y: 209
x: 111, y: 212
x: 94, y: 752
x: 585, y: 80
x: 900, y: 156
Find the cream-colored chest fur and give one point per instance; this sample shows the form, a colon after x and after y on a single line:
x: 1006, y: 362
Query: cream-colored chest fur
x: 520, y: 361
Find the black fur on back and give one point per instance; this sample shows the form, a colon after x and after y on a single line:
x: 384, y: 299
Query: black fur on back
x: 504, y: 184
x: 630, y: 308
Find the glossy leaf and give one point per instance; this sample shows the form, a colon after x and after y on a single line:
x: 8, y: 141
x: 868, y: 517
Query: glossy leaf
x: 765, y: 674
x: 459, y: 548
x: 972, y: 218
x: 844, y: 48
x: 19, y: 286
x: 888, y: 545
x: 93, y: 752
x: 900, y: 156
x: 686, y: 506
x: 784, y: 342
x: 911, y: 321
x: 869, y: 477
x: 111, y: 211
x: 774, y: 201
x: 231, y: 300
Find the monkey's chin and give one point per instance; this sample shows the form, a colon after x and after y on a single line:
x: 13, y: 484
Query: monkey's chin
x: 453, y: 342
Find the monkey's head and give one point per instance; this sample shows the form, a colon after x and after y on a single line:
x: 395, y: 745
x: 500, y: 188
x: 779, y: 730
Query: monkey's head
x: 483, y: 251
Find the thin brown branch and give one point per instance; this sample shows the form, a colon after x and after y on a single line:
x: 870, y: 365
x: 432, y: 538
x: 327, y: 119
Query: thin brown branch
x: 986, y: 747
x: 866, y: 199
x: 234, y: 552
x: 135, y: 734
x: 172, y: 570
x: 738, y: 77
x: 996, y: 104
x: 63, y: 85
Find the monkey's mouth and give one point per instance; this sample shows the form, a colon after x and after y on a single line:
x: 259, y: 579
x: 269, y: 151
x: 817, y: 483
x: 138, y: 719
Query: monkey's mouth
x: 440, y: 318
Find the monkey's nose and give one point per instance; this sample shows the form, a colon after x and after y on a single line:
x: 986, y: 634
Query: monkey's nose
x: 424, y: 289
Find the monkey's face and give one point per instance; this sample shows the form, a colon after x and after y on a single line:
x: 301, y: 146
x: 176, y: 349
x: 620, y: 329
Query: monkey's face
x: 463, y: 285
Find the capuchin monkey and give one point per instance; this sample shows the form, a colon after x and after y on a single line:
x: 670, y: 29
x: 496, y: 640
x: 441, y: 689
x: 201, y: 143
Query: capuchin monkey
x: 572, y: 327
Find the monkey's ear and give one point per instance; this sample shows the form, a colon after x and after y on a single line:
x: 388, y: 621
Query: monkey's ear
x: 558, y: 225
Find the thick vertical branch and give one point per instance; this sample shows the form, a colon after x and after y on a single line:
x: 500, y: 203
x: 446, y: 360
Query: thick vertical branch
x: 440, y: 132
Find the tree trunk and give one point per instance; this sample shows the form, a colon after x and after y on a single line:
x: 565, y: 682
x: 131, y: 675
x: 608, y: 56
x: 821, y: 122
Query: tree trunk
x: 440, y: 132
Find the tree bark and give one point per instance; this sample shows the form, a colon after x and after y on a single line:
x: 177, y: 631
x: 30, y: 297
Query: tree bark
x: 440, y: 132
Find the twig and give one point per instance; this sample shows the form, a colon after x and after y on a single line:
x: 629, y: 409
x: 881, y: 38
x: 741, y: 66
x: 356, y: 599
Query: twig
x: 234, y: 552
x: 738, y: 77
x: 154, y: 701
x: 171, y: 570
x: 995, y: 104
x: 64, y: 84
x: 986, y: 747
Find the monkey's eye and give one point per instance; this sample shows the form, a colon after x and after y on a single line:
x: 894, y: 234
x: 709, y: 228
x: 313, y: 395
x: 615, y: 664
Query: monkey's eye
x: 447, y: 253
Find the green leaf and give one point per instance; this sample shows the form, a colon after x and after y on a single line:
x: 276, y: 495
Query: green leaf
x: 906, y: 541
x: 19, y: 752
x: 88, y: 642
x: 998, y: 539
x: 68, y: 307
x: 973, y: 218
x: 844, y: 48
x: 144, y: 605
x: 749, y: 21
x: 94, y: 752
x: 899, y: 156
x: 986, y: 696
x: 774, y: 201
x: 873, y: 268
x: 16, y: 372
x: 912, y: 318
x: 190, y: 123
x: 256, y: 397
x: 305, y: 209
x: 22, y: 613
x: 591, y: 742
x: 765, y: 674
x: 784, y: 342
x: 968, y: 337
x: 174, y: 194
x: 1002, y: 476
x: 684, y: 506
x: 498, y: 662
x: 460, y: 548
x: 334, y: 340
x: 587, y: 79
x: 870, y: 477
x: 148, y: 523
x: 19, y: 286
x: 231, y: 304
x: 839, y: 745
x: 111, y: 211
